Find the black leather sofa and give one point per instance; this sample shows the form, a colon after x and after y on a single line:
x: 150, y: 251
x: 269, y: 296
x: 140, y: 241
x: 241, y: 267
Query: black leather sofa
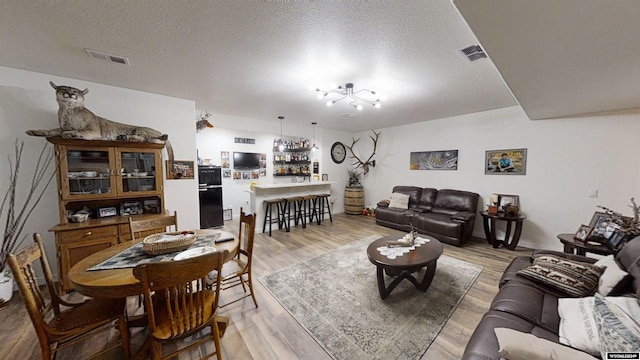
x: 530, y: 307
x: 448, y: 215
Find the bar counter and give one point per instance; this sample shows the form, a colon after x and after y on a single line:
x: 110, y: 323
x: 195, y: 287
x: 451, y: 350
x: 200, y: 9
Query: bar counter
x: 263, y: 192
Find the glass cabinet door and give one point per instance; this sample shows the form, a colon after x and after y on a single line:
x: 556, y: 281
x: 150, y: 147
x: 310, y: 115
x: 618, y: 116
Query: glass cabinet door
x: 88, y: 172
x: 138, y: 171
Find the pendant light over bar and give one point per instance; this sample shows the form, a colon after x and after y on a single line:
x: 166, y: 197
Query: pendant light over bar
x: 314, y: 147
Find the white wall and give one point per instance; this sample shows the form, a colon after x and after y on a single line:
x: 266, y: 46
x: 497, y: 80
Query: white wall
x: 566, y: 159
x: 212, y: 141
x: 27, y: 101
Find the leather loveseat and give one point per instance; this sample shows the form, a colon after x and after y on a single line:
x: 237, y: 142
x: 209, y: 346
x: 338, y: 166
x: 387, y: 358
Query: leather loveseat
x: 447, y: 215
x: 530, y: 307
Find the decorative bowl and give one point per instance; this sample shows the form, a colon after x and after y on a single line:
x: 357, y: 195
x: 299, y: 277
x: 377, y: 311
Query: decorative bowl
x: 165, y: 243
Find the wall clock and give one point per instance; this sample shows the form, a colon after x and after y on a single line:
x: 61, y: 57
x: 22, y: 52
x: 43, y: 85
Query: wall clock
x: 338, y: 152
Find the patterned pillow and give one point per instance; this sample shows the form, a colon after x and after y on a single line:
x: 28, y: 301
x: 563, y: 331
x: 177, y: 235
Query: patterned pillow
x: 575, y: 278
x: 618, y: 331
x: 399, y: 200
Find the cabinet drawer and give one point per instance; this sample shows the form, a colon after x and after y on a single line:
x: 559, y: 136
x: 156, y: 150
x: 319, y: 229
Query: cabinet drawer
x: 88, y: 233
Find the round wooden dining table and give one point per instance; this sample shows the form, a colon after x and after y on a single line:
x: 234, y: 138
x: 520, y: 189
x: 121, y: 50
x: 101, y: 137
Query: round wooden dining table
x: 120, y: 283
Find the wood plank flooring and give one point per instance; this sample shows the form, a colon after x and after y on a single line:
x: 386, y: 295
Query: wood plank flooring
x: 269, y: 332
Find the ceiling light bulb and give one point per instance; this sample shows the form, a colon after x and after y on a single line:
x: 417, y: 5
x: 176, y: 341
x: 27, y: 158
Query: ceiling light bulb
x: 311, y: 88
x: 329, y: 103
x: 383, y: 97
x: 333, y: 85
x: 320, y: 96
x: 281, y: 146
x: 359, y: 107
x: 377, y: 105
x: 314, y: 148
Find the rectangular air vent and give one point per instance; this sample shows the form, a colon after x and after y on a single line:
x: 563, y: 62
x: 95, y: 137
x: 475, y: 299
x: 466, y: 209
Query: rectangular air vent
x: 473, y: 52
x: 108, y: 57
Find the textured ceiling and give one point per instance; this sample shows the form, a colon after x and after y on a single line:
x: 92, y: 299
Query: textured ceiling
x: 562, y: 58
x: 255, y: 59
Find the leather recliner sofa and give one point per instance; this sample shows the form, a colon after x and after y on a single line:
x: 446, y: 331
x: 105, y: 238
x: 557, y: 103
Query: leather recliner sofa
x: 530, y: 307
x: 448, y: 215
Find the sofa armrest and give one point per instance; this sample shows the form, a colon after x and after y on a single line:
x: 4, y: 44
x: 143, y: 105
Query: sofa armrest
x: 383, y: 203
x: 463, y: 216
x: 541, y: 252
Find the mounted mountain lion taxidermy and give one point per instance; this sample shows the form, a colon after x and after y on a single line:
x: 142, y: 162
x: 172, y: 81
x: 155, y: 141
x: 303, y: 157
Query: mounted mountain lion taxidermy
x: 78, y: 122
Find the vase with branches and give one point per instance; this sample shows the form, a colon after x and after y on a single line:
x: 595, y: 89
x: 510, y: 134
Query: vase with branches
x: 17, y: 206
x: 354, y: 178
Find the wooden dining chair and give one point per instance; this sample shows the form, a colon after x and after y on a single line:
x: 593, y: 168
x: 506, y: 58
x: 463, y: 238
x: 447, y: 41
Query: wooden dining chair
x: 238, y: 270
x: 59, y: 328
x: 183, y: 304
x: 140, y: 228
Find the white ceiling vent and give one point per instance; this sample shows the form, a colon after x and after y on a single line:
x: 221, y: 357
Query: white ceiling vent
x: 473, y: 52
x: 108, y: 57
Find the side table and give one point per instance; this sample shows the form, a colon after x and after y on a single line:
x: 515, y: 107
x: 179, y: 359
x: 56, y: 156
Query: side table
x: 579, y: 247
x: 489, y: 222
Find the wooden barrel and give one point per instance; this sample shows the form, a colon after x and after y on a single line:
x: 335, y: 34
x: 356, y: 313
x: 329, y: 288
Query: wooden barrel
x: 353, y: 200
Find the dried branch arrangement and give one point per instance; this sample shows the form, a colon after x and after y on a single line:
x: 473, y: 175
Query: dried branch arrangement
x: 14, y: 213
x: 628, y: 225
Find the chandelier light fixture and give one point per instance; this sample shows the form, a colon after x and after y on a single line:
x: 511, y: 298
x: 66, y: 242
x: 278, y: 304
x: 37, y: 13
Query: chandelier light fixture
x: 314, y: 147
x: 355, y: 98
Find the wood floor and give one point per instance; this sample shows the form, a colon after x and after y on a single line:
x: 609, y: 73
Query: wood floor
x: 269, y: 332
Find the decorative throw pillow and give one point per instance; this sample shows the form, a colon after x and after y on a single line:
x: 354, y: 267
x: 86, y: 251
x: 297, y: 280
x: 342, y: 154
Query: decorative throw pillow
x: 578, y: 327
x: 516, y: 345
x: 575, y: 278
x: 611, y: 276
x: 618, y: 330
x: 399, y: 200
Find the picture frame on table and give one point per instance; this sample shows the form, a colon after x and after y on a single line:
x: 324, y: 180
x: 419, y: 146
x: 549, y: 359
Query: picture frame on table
x: 107, y: 212
x: 325, y: 177
x: 583, y: 232
x: 615, y: 241
x: 130, y: 208
x: 603, y: 226
x: 508, y: 199
x: 151, y: 206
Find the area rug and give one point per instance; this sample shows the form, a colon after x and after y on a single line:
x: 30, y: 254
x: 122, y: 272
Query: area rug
x: 335, y: 298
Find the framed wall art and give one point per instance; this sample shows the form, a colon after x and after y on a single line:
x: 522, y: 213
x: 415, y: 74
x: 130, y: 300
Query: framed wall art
x: 181, y: 170
x: 506, y: 162
x: 434, y: 160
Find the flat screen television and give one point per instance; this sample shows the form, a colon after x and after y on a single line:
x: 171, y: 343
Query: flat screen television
x: 243, y: 160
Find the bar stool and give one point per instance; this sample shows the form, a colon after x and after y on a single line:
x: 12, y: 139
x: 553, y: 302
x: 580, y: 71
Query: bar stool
x: 325, y: 202
x: 281, y: 205
x: 298, y: 203
x: 311, y: 203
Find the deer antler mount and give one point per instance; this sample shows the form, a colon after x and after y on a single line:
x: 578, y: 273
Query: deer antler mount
x: 365, y: 164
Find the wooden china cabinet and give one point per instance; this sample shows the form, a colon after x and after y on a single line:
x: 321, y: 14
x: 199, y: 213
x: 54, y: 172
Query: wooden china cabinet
x: 112, y: 180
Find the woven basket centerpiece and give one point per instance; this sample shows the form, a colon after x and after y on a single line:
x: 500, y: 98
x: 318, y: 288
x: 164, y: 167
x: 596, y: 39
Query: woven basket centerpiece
x: 165, y: 243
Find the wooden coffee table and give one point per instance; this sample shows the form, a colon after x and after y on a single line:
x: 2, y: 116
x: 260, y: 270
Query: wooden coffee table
x: 403, y: 266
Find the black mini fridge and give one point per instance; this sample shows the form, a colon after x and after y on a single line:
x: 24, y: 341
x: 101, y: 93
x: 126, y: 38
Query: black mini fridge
x: 210, y: 189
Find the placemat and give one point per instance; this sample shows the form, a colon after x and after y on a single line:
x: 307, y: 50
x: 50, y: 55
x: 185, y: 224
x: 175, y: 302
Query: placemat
x: 134, y: 255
